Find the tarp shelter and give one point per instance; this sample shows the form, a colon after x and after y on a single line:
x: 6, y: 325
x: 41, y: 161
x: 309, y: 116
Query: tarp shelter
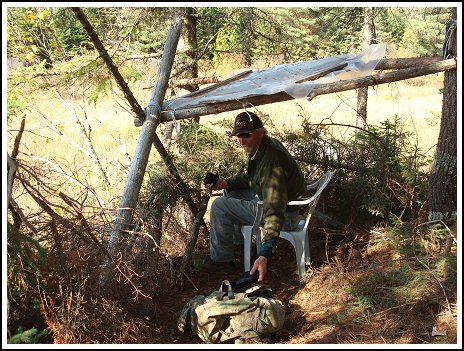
x: 295, y: 79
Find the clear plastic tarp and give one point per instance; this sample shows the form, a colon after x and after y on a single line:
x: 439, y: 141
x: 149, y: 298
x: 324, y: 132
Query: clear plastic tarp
x: 296, y: 79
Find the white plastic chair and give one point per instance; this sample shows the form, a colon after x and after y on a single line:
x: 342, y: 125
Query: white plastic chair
x: 298, y: 237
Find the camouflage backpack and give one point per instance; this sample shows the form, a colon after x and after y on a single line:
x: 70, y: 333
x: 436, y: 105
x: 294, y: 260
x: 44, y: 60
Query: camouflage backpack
x: 224, y: 316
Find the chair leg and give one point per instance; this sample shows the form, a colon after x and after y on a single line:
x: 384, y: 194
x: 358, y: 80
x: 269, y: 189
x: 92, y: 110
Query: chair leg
x: 300, y: 259
x: 298, y: 245
x: 246, y: 231
x: 307, y: 252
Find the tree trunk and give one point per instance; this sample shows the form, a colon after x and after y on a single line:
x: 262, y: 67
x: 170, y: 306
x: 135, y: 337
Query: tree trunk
x: 368, y: 31
x: 189, y: 36
x: 443, y: 176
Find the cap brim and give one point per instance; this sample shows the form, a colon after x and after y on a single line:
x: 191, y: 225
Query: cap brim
x: 237, y: 132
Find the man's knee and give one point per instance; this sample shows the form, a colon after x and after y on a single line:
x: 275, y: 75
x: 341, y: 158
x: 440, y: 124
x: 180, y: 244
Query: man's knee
x: 218, y: 204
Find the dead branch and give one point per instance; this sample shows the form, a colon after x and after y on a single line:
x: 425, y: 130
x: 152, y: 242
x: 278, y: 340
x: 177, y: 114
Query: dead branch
x: 109, y: 62
x: 12, y: 167
x: 400, y: 63
x: 11, y: 163
x: 57, y: 168
x: 21, y: 215
x: 71, y: 202
x: 86, y: 136
x: 193, y: 81
x: 383, y: 78
x: 192, y: 239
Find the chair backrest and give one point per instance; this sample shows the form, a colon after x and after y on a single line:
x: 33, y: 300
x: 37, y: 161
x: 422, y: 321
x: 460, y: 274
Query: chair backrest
x: 311, y: 202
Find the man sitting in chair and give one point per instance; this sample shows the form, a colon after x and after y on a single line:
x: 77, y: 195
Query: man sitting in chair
x: 274, y: 176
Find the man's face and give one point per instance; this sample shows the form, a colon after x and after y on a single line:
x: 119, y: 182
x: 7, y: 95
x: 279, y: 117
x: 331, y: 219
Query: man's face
x: 250, y: 143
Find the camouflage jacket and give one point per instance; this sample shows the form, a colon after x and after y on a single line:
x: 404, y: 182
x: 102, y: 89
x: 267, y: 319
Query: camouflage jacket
x: 276, y: 178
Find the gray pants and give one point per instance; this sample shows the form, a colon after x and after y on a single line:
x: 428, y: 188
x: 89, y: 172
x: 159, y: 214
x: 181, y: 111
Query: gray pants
x: 227, y: 215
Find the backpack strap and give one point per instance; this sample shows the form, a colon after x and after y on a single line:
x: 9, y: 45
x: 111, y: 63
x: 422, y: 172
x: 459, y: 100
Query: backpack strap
x: 226, y: 291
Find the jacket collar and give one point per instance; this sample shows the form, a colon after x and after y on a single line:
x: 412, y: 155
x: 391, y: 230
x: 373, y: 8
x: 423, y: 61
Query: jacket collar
x: 261, y: 149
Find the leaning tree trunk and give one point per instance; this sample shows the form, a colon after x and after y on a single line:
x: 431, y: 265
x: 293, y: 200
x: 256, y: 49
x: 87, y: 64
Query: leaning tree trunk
x: 443, y: 175
x: 361, y: 110
x: 148, y: 134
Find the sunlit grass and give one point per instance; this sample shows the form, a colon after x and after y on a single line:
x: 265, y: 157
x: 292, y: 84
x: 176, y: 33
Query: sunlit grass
x: 417, y: 102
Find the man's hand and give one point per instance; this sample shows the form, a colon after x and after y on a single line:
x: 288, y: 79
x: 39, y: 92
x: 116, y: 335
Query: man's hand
x: 210, y: 179
x: 260, y: 265
x: 214, y: 182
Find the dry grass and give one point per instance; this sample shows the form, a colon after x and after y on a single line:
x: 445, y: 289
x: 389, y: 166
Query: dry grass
x: 324, y: 311
x: 417, y: 102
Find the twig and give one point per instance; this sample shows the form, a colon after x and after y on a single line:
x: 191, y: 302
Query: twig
x: 20, y: 213
x: 444, y: 224
x: 438, y: 281
x: 393, y: 308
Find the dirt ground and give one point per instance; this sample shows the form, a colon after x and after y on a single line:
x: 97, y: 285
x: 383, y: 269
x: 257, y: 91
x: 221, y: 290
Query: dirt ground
x: 318, y: 312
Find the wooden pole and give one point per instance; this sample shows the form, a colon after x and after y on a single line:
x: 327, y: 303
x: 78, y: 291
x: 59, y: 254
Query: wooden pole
x: 147, y: 137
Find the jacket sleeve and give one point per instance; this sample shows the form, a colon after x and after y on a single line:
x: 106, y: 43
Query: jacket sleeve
x: 275, y: 199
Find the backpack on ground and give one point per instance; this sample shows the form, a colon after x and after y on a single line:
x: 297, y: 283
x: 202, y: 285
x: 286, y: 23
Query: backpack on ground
x: 225, y: 316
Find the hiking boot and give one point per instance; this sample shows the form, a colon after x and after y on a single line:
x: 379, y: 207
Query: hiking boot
x: 210, y: 266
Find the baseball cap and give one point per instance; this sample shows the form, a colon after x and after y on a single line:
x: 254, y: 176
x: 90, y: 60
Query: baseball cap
x: 246, y: 123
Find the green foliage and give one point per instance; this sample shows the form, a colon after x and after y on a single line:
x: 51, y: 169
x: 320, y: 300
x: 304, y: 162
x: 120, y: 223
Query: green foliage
x: 296, y: 33
x: 422, y: 240
x: 25, y: 262
x: 71, y: 36
x: 417, y: 273
x: 381, y: 171
x: 393, y: 21
x: 25, y: 259
x: 425, y: 33
x: 16, y: 103
x: 393, y: 180
x: 101, y: 88
x: 210, y: 24
x: 337, y: 30
x: 30, y: 336
x: 105, y: 82
x: 93, y: 74
x: 385, y: 288
x: 30, y: 36
x: 206, y: 150
x: 147, y: 28
x: 159, y: 192
x: 289, y: 31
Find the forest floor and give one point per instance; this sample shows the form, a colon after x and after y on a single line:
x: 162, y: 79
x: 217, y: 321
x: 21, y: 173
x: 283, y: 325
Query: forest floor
x: 323, y: 311
x: 353, y: 295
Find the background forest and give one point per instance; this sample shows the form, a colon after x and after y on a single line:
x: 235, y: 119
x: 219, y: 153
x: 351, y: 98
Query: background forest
x: 384, y: 269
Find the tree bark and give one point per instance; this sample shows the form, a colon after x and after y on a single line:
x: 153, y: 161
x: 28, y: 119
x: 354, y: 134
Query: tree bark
x: 361, y: 109
x: 443, y: 176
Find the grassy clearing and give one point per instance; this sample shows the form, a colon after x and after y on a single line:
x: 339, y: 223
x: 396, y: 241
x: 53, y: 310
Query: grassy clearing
x: 416, y: 101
